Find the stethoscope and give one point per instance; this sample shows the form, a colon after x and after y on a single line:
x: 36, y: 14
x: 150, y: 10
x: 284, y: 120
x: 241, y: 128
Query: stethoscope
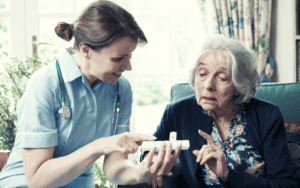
x: 66, y: 113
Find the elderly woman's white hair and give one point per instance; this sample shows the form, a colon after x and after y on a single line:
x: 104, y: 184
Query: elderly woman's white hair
x: 242, y: 60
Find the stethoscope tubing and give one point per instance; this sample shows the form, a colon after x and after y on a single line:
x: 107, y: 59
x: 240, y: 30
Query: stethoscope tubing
x: 67, y: 110
x: 116, y: 108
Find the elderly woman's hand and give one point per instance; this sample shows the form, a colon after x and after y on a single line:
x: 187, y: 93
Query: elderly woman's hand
x: 213, y: 157
x: 162, y: 163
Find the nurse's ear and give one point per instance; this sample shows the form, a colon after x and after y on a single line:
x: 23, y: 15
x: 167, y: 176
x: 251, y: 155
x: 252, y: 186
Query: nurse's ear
x: 85, y: 50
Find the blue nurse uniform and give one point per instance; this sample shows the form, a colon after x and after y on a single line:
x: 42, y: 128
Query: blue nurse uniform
x: 40, y: 125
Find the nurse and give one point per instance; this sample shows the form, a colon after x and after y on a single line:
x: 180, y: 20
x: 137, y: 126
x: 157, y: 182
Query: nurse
x: 78, y: 108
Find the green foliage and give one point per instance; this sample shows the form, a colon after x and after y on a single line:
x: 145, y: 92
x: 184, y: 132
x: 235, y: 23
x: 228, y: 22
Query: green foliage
x: 99, y: 176
x: 12, y: 87
x: 150, y: 92
x: 3, y: 4
x: 262, y: 41
x: 3, y: 27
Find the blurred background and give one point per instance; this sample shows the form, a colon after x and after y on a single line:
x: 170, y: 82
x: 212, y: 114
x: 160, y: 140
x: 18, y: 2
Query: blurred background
x: 173, y: 30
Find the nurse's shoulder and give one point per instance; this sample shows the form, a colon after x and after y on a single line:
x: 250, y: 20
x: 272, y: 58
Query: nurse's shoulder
x: 43, y: 80
x: 124, y: 83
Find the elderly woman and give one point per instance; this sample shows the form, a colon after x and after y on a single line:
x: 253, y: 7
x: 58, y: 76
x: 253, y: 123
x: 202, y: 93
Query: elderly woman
x: 235, y: 140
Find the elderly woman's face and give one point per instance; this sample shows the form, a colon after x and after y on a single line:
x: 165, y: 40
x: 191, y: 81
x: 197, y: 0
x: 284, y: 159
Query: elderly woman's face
x: 213, y: 83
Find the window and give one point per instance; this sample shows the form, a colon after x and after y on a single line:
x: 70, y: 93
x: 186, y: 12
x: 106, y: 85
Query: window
x: 173, y: 30
x: 4, y: 19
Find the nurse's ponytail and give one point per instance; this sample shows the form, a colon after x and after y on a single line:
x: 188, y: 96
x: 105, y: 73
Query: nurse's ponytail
x: 64, y: 30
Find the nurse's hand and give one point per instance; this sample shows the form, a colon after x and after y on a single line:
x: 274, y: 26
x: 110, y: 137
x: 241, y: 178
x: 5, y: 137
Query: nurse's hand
x: 125, y: 143
x: 154, y: 166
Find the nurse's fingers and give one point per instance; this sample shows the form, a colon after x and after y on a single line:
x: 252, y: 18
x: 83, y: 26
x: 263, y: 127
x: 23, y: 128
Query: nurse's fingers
x: 123, y: 150
x: 127, y: 142
x: 139, y: 138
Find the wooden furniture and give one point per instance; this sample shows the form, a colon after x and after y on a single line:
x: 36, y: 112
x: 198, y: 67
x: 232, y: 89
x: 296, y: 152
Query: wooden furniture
x: 4, y: 154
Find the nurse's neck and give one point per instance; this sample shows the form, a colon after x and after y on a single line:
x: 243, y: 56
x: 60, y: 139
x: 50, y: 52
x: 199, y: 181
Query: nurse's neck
x: 83, y: 65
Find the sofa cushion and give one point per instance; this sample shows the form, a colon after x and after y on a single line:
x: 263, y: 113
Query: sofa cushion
x: 285, y: 95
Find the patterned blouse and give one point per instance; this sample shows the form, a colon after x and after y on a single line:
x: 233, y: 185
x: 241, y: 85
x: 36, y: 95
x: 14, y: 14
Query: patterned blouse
x: 239, y: 154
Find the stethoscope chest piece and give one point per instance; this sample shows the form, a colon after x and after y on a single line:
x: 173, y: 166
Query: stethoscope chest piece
x: 64, y: 112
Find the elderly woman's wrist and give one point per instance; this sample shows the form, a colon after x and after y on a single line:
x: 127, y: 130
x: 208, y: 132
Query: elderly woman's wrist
x: 225, y: 175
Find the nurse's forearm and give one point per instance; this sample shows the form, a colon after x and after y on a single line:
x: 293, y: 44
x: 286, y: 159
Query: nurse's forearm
x: 119, y: 170
x: 60, y: 171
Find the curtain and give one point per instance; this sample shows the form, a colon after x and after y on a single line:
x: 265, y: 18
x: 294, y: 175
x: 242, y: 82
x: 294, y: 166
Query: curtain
x: 245, y: 20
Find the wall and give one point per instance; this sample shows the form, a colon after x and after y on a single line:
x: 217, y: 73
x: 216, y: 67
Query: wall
x: 282, y: 41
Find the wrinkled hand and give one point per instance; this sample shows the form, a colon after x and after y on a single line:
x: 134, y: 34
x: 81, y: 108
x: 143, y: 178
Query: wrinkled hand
x: 162, y: 163
x: 125, y: 143
x: 212, y: 156
x: 133, y: 159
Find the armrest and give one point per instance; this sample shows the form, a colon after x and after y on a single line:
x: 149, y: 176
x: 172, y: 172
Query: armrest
x: 4, y: 154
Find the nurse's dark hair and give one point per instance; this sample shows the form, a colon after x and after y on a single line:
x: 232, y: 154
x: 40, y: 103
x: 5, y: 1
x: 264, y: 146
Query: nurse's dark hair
x: 99, y: 24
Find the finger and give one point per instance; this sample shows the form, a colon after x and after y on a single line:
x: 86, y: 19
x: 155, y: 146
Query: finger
x: 174, y: 159
x: 177, y: 152
x: 160, y: 159
x: 167, y: 159
x: 130, y: 145
x: 133, y: 159
x: 159, y: 181
x: 148, y: 159
x: 154, y: 158
x: 122, y: 150
x: 202, y: 153
x: 199, y: 156
x: 206, y: 151
x: 209, y: 139
x: 168, y: 151
x: 207, y: 157
x: 170, y: 174
x: 135, y: 146
x: 137, y: 137
x: 196, y: 152
x: 154, y: 182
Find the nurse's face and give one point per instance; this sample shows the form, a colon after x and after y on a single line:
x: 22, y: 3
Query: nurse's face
x: 110, y: 62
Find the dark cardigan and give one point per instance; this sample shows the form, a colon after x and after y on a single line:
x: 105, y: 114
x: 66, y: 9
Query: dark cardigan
x: 265, y: 130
